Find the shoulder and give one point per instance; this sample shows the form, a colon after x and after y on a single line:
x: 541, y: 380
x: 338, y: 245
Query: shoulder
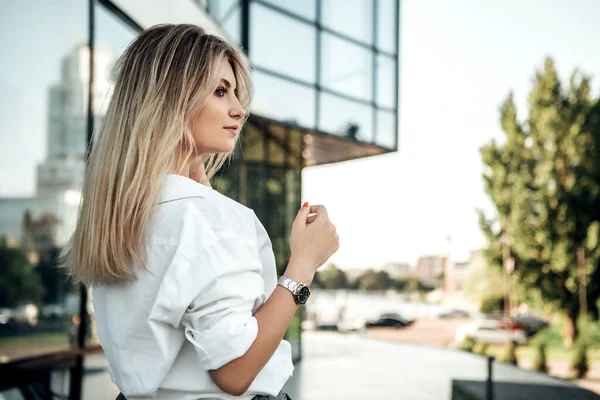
x: 189, y: 212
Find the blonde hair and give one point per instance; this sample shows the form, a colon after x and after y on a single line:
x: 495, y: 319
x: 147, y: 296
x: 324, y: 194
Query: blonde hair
x: 161, y: 82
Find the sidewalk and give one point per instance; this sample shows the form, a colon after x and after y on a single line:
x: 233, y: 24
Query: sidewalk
x: 350, y: 367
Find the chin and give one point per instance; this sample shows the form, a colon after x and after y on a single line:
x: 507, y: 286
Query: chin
x: 225, y: 148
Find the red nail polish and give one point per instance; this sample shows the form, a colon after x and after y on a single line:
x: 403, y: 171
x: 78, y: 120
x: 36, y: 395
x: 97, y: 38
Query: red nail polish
x: 305, y: 205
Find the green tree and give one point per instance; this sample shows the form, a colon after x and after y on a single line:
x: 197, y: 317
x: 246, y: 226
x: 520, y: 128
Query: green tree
x: 409, y: 283
x: 19, y: 282
x: 374, y: 280
x: 544, y: 181
x: 56, y: 283
x: 331, y: 277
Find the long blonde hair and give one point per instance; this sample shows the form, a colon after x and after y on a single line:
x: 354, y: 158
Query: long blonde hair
x: 161, y: 82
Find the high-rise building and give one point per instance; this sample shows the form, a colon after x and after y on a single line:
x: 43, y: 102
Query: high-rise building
x: 430, y: 269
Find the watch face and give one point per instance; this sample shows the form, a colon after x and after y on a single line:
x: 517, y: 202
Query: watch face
x: 303, y: 295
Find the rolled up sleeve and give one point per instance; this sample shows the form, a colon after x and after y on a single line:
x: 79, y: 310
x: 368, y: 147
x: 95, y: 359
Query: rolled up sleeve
x: 219, y: 320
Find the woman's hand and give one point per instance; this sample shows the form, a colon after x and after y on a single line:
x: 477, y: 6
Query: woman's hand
x: 198, y: 174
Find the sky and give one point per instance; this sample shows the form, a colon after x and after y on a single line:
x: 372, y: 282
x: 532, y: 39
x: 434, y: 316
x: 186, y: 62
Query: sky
x: 458, y: 61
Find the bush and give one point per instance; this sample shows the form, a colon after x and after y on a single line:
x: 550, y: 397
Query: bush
x: 481, y: 348
x: 539, y: 361
x: 467, y: 344
x: 510, y: 354
x: 492, y: 304
x: 580, y: 363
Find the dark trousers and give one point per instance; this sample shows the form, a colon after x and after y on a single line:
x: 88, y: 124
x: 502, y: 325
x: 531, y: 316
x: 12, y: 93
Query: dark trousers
x: 280, y: 396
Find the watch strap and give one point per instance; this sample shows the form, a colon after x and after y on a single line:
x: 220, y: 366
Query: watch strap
x: 290, y: 284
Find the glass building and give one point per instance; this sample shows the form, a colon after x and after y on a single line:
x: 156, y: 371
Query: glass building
x: 326, y: 91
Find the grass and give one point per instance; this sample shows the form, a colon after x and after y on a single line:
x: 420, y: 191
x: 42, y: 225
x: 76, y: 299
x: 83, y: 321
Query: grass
x: 555, y: 348
x: 552, y: 354
x: 35, y: 340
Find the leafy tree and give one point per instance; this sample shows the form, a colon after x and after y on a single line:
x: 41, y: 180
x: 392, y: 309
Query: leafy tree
x: 55, y: 281
x: 331, y: 277
x: 374, y: 280
x: 18, y: 281
x: 405, y: 283
x: 544, y: 181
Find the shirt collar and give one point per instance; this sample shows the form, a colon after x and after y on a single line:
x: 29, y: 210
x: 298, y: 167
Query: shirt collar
x: 177, y: 187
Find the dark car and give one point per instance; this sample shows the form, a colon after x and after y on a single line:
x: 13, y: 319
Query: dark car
x: 529, y: 323
x: 391, y: 320
x: 454, y: 313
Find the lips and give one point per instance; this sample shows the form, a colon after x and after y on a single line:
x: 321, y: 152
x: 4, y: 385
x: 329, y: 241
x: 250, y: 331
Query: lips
x: 233, y: 129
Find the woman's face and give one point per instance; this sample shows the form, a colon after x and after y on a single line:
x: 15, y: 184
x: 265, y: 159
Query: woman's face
x: 216, y: 127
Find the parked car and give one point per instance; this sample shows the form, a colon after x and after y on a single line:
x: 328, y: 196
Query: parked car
x: 390, y: 320
x: 492, y: 331
x: 530, y: 324
x: 454, y: 313
x: 527, y: 322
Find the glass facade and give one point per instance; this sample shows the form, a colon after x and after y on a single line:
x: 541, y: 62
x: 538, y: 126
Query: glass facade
x: 326, y: 91
x: 343, y: 54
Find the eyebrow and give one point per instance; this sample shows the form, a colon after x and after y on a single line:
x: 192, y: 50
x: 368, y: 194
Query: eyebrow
x: 226, y: 82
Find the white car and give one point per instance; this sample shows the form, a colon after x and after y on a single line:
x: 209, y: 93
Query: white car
x: 490, y: 331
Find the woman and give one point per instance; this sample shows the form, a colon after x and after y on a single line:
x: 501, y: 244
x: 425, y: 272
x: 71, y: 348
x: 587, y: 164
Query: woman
x: 186, y: 298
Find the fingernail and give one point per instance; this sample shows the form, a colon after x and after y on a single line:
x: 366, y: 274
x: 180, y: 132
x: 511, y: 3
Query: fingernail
x: 305, y: 205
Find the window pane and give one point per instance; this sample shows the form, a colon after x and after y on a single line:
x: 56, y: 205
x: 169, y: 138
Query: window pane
x: 386, y: 81
x: 277, y: 145
x: 253, y: 146
x: 233, y: 24
x: 386, y: 25
x: 346, y: 67
x: 283, y: 100
x: 227, y: 180
x: 255, y: 190
x: 386, y: 129
x: 346, y: 118
x: 276, y: 218
x: 43, y: 113
x: 221, y: 8
x: 291, y: 53
x: 352, y: 18
x: 304, y: 8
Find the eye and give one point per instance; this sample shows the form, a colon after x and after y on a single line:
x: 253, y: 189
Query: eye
x: 220, y: 91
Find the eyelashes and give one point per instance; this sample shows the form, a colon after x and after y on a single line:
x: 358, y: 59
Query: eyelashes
x: 221, y: 92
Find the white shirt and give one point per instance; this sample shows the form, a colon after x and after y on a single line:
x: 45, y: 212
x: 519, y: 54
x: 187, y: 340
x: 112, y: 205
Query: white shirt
x: 210, y: 266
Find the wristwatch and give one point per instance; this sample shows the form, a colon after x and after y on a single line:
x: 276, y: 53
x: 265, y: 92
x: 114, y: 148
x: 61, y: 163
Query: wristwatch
x: 300, y: 291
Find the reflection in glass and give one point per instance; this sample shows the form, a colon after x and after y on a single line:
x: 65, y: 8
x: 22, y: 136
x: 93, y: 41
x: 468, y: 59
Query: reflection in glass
x: 227, y: 180
x: 221, y: 9
x: 255, y: 189
x: 43, y: 109
x: 277, y: 151
x: 353, y: 18
x: 253, y: 146
x: 386, y: 129
x: 346, y: 118
x: 304, y: 8
x: 386, y: 25
x: 283, y: 100
x: 291, y: 53
x: 386, y: 81
x: 233, y: 24
x: 276, y: 221
x: 346, y: 67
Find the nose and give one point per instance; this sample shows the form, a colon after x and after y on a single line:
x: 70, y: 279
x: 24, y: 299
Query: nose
x: 237, y: 111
